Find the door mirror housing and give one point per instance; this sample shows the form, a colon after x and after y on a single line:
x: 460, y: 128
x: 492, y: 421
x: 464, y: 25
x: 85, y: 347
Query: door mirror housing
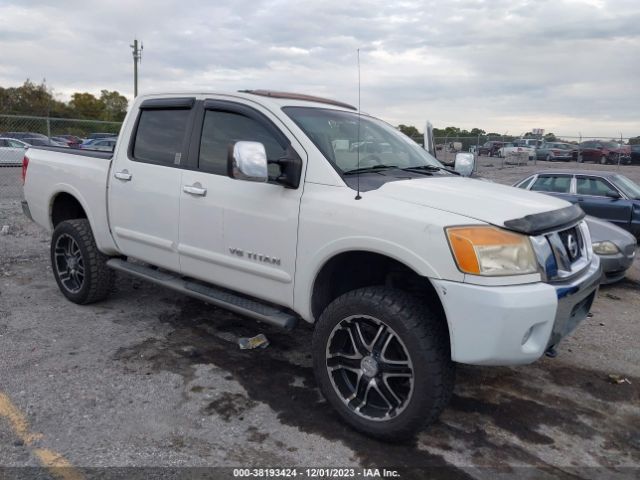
x: 613, y: 194
x: 247, y: 161
x: 465, y: 164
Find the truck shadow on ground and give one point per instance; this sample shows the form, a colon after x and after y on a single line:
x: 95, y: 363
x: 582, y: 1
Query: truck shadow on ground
x: 497, y: 416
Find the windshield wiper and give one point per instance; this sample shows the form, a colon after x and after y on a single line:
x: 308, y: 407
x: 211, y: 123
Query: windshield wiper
x: 430, y: 168
x: 374, y: 168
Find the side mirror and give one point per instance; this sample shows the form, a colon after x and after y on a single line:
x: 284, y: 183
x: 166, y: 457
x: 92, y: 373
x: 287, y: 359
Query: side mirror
x: 613, y: 194
x: 465, y: 164
x: 247, y: 161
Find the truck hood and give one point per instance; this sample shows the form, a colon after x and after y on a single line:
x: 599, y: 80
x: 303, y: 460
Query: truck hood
x: 481, y: 200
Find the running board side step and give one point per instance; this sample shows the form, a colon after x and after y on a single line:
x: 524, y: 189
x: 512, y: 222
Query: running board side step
x: 210, y: 294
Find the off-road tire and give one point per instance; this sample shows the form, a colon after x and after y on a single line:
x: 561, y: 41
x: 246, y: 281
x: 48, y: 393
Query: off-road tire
x: 98, y: 278
x: 425, y: 335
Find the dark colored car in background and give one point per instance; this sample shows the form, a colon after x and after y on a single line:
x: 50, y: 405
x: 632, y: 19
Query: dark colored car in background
x: 635, y: 154
x: 72, y: 140
x: 598, y: 151
x: 490, y: 148
x: 606, y: 195
x: 554, y: 151
x: 97, y: 135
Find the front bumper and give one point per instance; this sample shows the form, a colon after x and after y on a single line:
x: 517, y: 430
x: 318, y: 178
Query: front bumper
x: 614, y: 267
x: 513, y: 325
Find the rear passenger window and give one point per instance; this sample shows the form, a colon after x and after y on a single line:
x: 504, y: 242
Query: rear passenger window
x: 548, y: 183
x: 593, y: 186
x: 221, y: 129
x: 160, y: 136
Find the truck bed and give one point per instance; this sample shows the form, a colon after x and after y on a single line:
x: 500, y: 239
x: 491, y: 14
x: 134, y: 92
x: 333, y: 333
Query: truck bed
x: 83, y: 174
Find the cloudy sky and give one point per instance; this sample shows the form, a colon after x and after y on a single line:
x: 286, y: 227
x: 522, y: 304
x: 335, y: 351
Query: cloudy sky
x: 569, y: 66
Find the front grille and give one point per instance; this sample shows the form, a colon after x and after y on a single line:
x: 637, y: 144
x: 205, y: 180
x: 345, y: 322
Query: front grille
x: 572, y: 242
x: 569, y: 249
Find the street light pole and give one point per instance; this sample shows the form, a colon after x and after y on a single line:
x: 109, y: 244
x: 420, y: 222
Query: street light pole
x: 137, y: 58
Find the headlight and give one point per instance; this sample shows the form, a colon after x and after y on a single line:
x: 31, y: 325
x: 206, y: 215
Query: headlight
x: 491, y: 251
x: 605, y: 248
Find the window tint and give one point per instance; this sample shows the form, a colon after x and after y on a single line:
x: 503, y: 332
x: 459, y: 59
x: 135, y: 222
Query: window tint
x: 550, y: 183
x: 593, y: 186
x: 221, y: 129
x: 160, y: 136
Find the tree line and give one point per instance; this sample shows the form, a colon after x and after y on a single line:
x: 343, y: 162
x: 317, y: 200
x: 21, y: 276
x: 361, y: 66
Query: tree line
x: 455, y: 132
x: 469, y: 135
x: 39, y: 100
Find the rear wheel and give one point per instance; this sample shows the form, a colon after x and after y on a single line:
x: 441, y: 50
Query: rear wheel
x: 78, y: 266
x: 549, y: 159
x: 603, y: 160
x: 382, y: 359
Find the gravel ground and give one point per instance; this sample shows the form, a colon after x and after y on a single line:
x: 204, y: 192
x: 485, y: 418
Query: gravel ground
x: 151, y: 378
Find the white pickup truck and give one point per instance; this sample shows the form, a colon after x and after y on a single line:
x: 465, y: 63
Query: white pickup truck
x: 283, y: 207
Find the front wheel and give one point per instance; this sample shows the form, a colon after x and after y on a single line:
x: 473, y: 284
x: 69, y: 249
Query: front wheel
x: 603, y: 160
x: 382, y: 359
x: 79, y: 268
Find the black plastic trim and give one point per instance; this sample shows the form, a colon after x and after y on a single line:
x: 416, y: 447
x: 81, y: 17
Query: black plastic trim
x: 539, y: 223
x: 168, y: 103
x: 77, y: 151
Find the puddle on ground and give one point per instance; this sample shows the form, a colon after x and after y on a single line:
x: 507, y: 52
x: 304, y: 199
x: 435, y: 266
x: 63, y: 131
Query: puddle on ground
x: 270, y: 376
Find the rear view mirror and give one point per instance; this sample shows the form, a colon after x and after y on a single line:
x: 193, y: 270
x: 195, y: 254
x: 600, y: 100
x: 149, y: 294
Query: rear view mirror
x: 247, y: 161
x: 613, y: 194
x: 465, y: 164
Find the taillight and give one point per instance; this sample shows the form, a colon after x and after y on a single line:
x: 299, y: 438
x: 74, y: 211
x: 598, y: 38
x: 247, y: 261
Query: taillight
x: 25, y: 165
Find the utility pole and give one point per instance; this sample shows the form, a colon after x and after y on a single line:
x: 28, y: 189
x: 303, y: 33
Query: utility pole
x: 137, y: 58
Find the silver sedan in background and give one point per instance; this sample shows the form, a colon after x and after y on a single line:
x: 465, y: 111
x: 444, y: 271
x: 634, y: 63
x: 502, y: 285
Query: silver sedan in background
x: 615, y: 247
x: 12, y: 151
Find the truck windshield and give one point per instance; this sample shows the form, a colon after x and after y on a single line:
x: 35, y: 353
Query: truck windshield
x: 335, y: 133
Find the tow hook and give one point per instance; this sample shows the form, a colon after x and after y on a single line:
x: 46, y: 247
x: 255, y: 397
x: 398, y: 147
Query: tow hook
x: 551, y: 352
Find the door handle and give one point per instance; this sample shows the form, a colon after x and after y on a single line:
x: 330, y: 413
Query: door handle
x: 123, y: 175
x: 194, y: 190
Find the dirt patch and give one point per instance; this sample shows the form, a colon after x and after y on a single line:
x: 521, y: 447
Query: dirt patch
x: 288, y: 388
x: 229, y: 406
x: 597, y: 384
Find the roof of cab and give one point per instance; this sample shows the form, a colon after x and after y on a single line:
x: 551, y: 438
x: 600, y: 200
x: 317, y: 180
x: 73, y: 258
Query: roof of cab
x: 281, y: 99
x: 298, y: 96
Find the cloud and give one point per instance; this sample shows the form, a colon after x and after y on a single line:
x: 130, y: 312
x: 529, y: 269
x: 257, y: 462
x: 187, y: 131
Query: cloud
x: 503, y: 65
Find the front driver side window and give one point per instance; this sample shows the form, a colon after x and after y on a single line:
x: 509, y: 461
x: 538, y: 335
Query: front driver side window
x: 593, y: 186
x: 221, y: 129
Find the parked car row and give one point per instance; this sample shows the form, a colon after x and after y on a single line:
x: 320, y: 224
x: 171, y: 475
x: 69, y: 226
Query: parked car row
x: 13, y: 144
x: 597, y: 151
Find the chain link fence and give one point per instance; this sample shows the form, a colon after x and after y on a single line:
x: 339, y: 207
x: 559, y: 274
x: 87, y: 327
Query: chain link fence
x: 491, y: 150
x: 18, y: 132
